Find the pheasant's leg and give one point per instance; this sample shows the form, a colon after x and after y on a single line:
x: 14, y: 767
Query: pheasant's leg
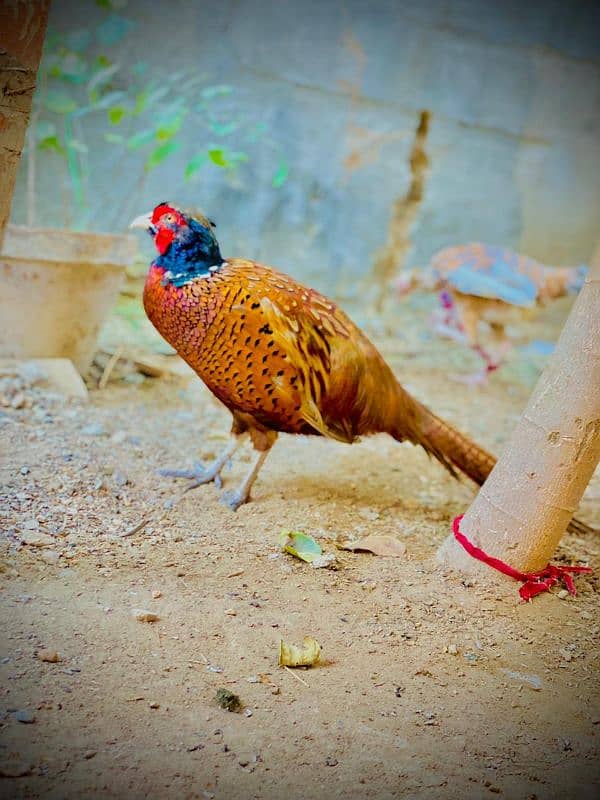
x: 200, y: 474
x: 234, y: 498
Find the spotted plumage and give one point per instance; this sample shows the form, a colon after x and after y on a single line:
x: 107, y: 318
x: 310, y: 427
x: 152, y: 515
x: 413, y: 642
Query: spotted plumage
x: 280, y: 356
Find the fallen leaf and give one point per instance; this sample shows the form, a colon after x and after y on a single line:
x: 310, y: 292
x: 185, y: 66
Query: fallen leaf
x: 378, y: 545
x: 306, y: 656
x: 300, y: 545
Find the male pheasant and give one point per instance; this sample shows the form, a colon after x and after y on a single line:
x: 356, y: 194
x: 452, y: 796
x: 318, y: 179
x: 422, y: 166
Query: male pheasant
x: 280, y: 356
x: 484, y: 283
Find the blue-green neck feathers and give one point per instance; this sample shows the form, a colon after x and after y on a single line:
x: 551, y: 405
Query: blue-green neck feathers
x: 193, y: 253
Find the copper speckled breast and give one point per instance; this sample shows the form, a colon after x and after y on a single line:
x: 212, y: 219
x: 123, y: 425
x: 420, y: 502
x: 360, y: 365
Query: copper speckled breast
x: 218, y: 326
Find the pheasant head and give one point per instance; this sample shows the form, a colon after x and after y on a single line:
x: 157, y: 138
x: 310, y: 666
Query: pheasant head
x: 185, y: 240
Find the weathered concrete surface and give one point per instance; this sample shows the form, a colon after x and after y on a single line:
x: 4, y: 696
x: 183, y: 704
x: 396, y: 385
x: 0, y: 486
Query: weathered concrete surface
x: 514, y: 91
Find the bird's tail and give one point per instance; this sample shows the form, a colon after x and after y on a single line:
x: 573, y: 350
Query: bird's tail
x: 457, y: 451
x: 452, y: 448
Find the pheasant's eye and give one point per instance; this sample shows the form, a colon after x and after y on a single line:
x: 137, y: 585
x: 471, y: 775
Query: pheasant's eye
x: 169, y: 218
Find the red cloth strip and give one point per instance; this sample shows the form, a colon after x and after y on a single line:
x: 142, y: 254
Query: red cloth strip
x: 534, y: 583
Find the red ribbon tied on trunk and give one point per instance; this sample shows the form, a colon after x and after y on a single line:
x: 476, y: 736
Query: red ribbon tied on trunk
x: 534, y: 583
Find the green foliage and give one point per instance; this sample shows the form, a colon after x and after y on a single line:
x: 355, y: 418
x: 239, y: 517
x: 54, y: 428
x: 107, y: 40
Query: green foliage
x: 158, y: 155
x: 281, y: 175
x: 147, y: 119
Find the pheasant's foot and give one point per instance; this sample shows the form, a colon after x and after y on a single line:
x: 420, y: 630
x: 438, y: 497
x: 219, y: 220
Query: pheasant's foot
x: 198, y: 475
x: 233, y: 499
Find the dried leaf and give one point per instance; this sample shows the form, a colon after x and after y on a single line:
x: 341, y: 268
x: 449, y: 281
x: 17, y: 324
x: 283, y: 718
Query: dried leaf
x: 306, y: 656
x: 378, y: 545
x: 300, y: 545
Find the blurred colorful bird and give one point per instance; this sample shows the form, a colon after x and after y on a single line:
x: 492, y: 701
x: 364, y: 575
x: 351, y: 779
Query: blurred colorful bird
x: 480, y: 283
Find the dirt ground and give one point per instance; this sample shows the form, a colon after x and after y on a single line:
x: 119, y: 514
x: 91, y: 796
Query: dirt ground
x: 430, y: 686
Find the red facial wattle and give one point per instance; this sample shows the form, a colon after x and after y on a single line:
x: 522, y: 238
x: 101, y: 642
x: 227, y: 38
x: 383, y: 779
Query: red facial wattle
x: 164, y: 237
x: 166, y: 220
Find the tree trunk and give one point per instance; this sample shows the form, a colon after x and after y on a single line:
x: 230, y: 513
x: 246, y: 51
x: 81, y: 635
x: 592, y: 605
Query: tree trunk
x: 524, y: 507
x: 23, y: 26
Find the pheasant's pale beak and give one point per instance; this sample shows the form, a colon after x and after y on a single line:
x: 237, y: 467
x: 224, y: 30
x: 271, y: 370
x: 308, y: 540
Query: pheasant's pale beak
x: 144, y: 221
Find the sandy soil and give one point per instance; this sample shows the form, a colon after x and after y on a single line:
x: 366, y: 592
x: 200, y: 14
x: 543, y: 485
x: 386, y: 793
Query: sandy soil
x: 431, y: 686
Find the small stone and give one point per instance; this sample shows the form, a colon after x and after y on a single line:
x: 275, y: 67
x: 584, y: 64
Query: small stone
x: 562, y: 595
x: 452, y: 650
x: 18, y: 401
x: 89, y: 754
x: 95, y: 429
x: 50, y: 556
x: 51, y: 656
x: 37, y: 539
x: 24, y: 470
x: 145, y: 616
x: 156, y: 594
x: 325, y: 561
x: 533, y: 681
x: 154, y: 704
x: 31, y: 524
x: 247, y: 712
x: 243, y: 762
x: 120, y: 479
x: 370, y: 514
x: 15, y: 770
x: 231, y: 612
x: 25, y: 716
x: 330, y: 761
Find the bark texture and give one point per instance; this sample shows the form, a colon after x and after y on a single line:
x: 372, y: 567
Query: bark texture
x: 22, y: 30
x: 523, y: 509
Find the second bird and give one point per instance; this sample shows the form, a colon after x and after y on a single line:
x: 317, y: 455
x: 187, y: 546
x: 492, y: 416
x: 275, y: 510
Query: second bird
x: 280, y: 356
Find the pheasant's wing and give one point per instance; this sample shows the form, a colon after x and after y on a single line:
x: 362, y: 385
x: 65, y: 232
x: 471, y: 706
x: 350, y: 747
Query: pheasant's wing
x: 341, y: 372
x: 316, y: 337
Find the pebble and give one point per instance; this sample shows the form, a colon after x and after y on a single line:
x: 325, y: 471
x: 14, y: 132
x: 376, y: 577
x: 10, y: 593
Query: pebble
x: 145, y: 616
x: 50, y: 556
x: 156, y: 594
x: 330, y: 761
x: 24, y: 470
x: 51, y: 656
x: 325, y: 561
x: 533, y: 681
x: 121, y: 479
x: 25, y: 715
x: 31, y: 524
x: 89, y: 754
x: 18, y: 401
x: 452, y: 649
x: 154, y: 704
x: 37, y: 539
x: 231, y: 612
x: 563, y: 594
x: 95, y: 429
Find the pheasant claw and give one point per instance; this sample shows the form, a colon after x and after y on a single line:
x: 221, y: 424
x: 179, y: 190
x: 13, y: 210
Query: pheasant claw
x: 233, y: 499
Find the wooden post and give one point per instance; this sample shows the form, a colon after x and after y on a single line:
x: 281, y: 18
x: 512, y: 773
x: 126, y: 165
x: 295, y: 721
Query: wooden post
x: 22, y: 30
x: 522, y: 510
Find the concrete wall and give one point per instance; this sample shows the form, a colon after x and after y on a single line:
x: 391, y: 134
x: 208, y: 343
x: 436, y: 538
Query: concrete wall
x: 514, y: 89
